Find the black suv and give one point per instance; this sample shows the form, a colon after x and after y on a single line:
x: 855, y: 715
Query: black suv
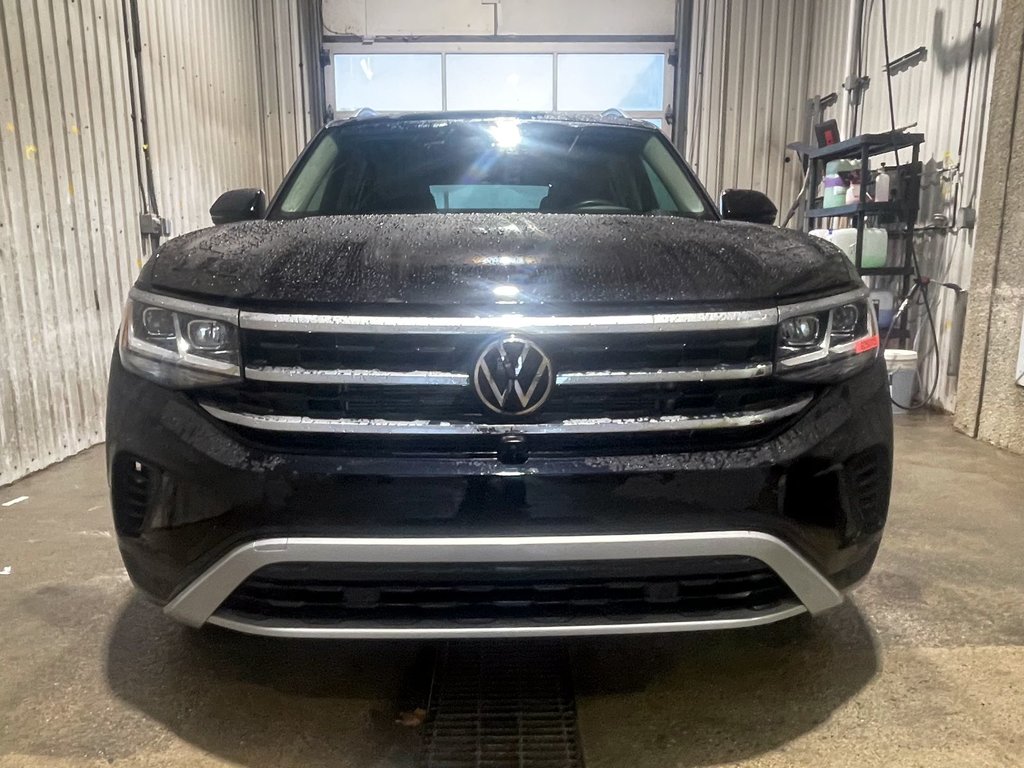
x: 496, y: 375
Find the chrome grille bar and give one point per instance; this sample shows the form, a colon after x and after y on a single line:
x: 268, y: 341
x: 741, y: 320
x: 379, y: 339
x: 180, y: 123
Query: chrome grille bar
x: 451, y: 379
x: 357, y: 376
x: 666, y: 376
x: 306, y: 424
x: 648, y: 323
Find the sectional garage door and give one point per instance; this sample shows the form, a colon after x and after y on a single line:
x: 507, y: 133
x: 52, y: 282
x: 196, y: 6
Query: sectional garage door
x: 591, y: 78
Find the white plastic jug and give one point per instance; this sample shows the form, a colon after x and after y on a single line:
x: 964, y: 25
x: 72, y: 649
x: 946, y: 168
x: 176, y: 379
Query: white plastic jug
x: 885, y: 302
x: 876, y: 244
x: 883, y: 184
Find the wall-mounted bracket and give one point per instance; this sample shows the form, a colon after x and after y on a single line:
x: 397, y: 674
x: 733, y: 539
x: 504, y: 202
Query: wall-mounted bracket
x: 152, y: 224
x: 824, y: 102
x: 856, y: 86
x: 906, y: 61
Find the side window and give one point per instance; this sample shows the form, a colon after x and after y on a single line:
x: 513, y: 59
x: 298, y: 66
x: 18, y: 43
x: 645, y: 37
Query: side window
x: 661, y: 193
x: 308, y: 188
x: 660, y: 164
x: 316, y: 199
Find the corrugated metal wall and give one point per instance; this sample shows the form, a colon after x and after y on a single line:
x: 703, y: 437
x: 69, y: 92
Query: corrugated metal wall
x: 930, y: 94
x: 69, y: 197
x: 291, y: 81
x: 755, y: 64
x: 230, y: 103
x: 200, y: 69
x: 72, y: 183
x: 748, y: 76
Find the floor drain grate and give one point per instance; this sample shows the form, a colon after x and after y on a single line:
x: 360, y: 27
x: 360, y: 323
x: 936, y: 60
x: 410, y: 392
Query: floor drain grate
x: 495, y: 705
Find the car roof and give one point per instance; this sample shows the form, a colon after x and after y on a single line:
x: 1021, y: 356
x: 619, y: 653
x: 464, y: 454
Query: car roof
x: 610, y: 117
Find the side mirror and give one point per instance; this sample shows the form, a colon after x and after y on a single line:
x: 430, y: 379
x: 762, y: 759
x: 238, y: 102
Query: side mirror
x: 239, y: 205
x: 747, y: 205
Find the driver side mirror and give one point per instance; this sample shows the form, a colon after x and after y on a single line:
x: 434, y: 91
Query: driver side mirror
x: 747, y: 205
x: 239, y: 205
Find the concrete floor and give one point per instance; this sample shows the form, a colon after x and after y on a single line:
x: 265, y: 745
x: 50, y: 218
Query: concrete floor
x: 924, y: 666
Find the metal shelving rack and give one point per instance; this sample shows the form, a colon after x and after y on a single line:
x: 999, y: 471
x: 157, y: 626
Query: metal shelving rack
x: 898, y: 215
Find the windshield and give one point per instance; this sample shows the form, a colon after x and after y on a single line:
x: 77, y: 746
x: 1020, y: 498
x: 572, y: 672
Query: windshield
x: 501, y: 164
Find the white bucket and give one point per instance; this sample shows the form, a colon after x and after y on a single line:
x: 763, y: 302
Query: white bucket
x: 902, y: 367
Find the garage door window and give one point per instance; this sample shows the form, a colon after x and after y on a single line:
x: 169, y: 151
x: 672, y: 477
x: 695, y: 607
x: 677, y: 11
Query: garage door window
x: 571, y: 82
x: 400, y: 82
x: 519, y: 81
x: 596, y: 81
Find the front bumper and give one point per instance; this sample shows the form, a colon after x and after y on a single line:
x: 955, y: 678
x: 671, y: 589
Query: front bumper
x: 201, y: 509
x: 199, y: 602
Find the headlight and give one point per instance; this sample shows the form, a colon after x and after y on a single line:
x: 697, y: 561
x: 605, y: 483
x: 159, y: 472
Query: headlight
x: 821, y: 342
x: 179, y: 344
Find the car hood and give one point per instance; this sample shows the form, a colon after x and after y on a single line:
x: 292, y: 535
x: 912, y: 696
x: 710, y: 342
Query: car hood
x: 496, y: 259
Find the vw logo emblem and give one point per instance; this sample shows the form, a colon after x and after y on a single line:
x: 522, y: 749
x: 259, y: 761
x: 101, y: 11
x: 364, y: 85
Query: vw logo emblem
x: 513, y: 376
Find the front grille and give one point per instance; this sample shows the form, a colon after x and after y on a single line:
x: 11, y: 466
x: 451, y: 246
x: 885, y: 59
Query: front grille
x: 457, y: 352
x: 332, y: 593
x: 666, y: 389
x: 461, y: 404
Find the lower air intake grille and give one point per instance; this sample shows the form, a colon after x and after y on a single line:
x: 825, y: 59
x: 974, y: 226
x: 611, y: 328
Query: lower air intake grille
x: 132, y: 484
x: 869, y: 477
x: 328, y: 593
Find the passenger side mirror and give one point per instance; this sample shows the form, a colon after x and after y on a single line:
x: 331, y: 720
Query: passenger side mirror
x: 747, y: 205
x: 239, y: 205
